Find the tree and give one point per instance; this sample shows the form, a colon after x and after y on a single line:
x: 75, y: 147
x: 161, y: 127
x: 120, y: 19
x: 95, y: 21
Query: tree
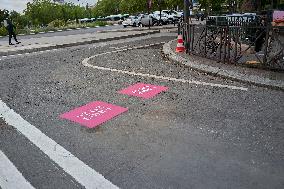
x: 107, y: 7
x: 45, y: 11
x: 174, y: 4
x: 3, y: 14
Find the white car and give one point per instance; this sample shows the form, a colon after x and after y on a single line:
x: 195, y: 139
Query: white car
x: 163, y: 16
x: 131, y: 21
x: 172, y: 15
x: 145, y: 20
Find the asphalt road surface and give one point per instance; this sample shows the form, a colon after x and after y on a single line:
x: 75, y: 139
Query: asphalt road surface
x: 202, y: 132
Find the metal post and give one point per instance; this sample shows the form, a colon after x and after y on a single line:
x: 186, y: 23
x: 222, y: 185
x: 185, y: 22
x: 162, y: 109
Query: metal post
x: 160, y: 7
x: 186, y: 19
x: 268, y: 28
x: 229, y: 44
x: 149, y: 4
x: 186, y: 11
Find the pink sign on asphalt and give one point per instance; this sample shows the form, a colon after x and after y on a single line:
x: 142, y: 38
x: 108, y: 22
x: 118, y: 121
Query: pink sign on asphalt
x: 94, y: 113
x: 143, y: 90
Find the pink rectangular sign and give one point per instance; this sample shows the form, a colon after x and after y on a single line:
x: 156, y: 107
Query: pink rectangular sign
x: 278, y: 16
x: 143, y: 90
x: 94, y: 113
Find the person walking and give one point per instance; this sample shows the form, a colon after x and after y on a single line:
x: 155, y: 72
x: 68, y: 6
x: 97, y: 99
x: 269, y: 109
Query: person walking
x: 10, y: 28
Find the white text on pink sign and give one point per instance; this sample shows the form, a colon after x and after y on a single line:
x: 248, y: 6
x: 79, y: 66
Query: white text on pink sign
x: 93, y: 113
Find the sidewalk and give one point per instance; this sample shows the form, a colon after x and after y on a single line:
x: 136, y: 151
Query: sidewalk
x: 46, y: 43
x: 254, y: 76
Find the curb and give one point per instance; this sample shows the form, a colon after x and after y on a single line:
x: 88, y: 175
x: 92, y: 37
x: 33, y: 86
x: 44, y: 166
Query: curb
x: 138, y: 29
x: 228, y: 74
x: 55, y: 31
x: 104, y: 31
x: 77, y: 43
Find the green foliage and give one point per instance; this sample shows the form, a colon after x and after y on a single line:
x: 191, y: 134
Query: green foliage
x: 107, y: 7
x: 57, y: 23
x: 43, y: 12
x: 97, y: 23
x: 3, y: 31
x: 3, y: 14
x: 173, y: 4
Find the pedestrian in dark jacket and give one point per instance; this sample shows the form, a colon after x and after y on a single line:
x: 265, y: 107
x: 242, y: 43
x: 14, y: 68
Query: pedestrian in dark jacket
x: 10, y: 28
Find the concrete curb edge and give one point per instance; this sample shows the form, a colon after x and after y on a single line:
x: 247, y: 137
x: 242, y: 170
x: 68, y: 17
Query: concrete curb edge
x: 228, y: 74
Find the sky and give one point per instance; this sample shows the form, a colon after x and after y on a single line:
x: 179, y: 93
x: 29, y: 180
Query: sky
x: 20, y: 5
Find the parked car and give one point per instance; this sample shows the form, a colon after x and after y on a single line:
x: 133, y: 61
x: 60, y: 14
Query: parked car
x: 131, y: 21
x: 85, y: 20
x: 115, y: 19
x: 164, y: 17
x: 145, y: 20
x: 172, y: 15
x: 179, y: 14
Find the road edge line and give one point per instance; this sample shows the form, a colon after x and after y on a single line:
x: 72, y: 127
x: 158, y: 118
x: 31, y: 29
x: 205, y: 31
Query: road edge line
x: 77, y: 169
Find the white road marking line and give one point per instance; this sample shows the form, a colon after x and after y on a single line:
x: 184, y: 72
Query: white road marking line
x: 120, y: 47
x: 81, y: 172
x: 85, y: 63
x: 10, y: 177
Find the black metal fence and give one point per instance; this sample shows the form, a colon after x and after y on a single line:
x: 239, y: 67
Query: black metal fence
x: 243, y: 44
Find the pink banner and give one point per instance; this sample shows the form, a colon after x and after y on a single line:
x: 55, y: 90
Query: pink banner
x: 278, y: 16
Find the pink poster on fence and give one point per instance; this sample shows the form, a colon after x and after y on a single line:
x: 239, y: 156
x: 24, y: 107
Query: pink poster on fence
x: 278, y: 16
x: 93, y: 114
x: 143, y: 90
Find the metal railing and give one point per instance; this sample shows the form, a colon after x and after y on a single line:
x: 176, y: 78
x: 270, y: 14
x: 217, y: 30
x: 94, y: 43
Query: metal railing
x: 236, y: 44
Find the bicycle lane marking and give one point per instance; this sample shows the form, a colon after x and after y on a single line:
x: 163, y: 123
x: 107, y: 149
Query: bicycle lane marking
x: 10, y: 177
x: 81, y: 172
x: 86, y: 60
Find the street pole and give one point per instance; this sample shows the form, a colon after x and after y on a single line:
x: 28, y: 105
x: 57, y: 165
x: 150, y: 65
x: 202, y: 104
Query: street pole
x: 186, y: 11
x: 149, y: 3
x: 160, y: 7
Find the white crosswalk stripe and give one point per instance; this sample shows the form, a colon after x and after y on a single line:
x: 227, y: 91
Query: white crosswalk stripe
x: 10, y: 177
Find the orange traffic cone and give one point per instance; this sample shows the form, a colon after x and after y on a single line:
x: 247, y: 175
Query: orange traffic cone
x: 180, y: 46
